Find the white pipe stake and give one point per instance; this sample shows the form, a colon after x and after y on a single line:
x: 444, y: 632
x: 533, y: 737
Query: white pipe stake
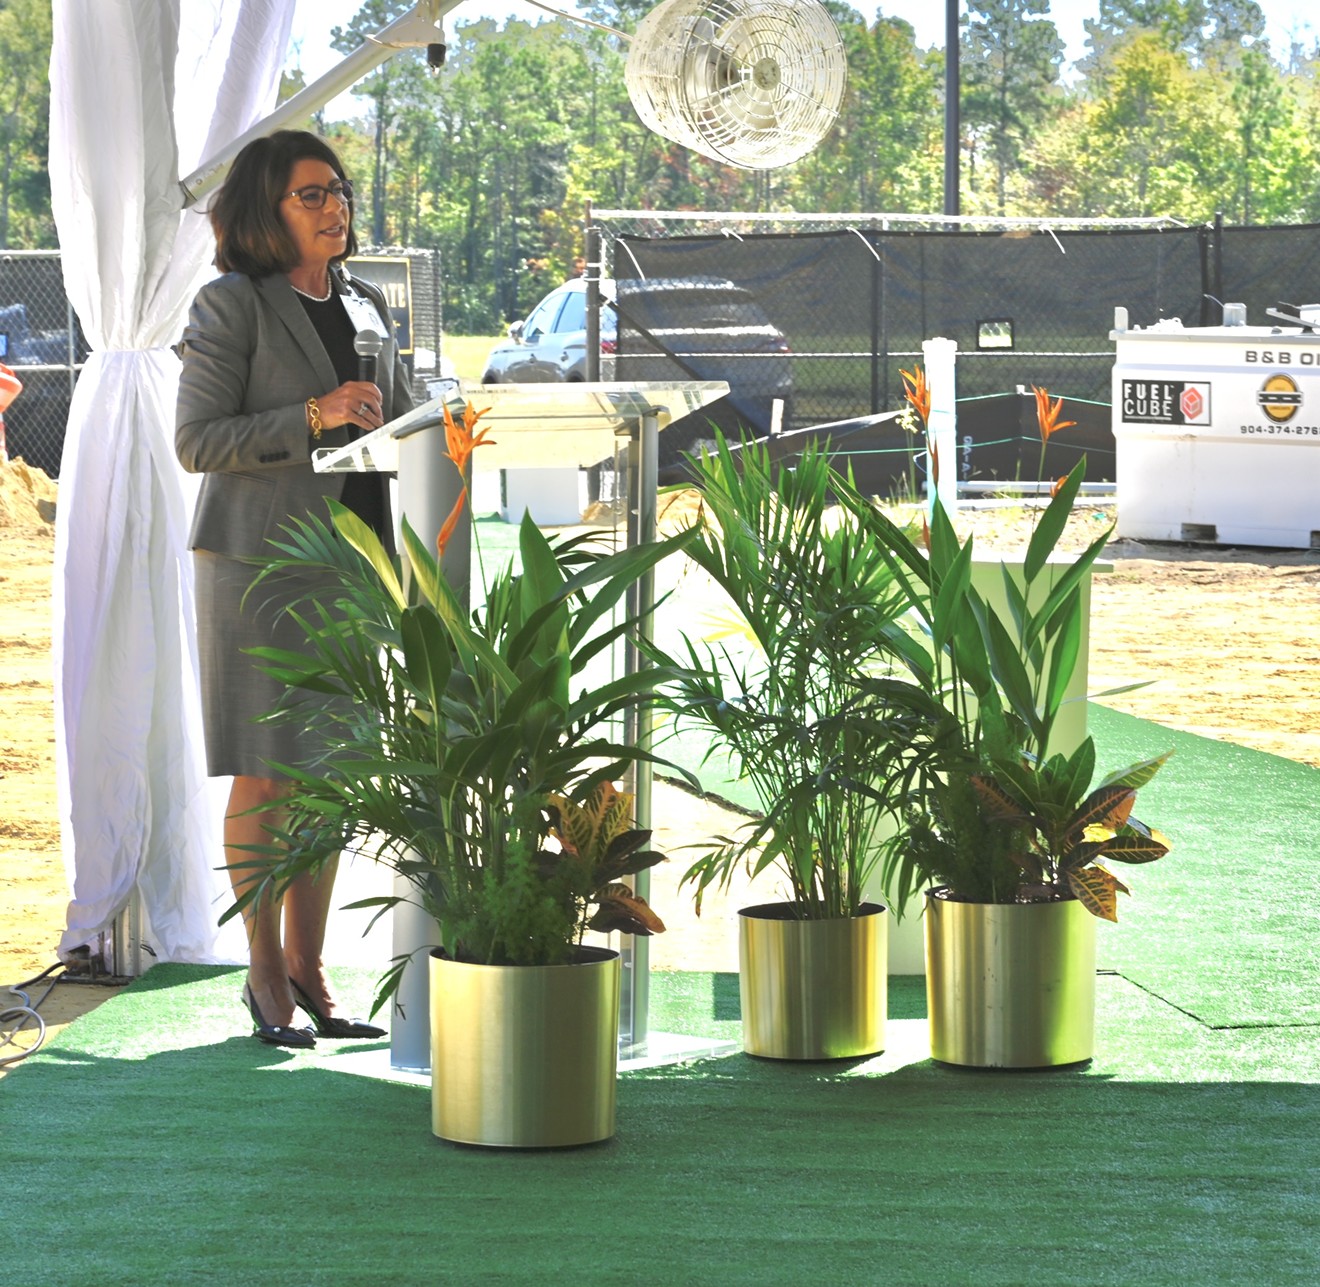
x: 941, y: 357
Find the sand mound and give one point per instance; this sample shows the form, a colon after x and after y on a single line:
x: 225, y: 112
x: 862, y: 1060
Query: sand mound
x: 27, y: 496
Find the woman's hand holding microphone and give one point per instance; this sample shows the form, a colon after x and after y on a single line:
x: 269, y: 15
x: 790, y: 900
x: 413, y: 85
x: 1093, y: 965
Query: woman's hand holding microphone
x: 355, y: 402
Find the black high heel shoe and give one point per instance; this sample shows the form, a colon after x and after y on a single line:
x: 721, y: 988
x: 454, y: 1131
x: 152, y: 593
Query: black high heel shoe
x: 329, y: 1026
x: 274, y: 1034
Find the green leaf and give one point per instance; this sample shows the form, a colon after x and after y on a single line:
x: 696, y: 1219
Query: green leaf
x: 1015, y: 598
x: 424, y: 566
x: 614, y: 575
x: 1137, y: 846
x: 1078, y: 771
x: 540, y: 592
x: 1045, y: 620
x: 1137, y: 775
x: 944, y: 543
x: 363, y: 539
x: 1046, y: 535
x: 969, y: 650
x: 1063, y: 663
x: 426, y: 653
x: 1122, y: 688
x: 951, y: 601
x: 1012, y: 677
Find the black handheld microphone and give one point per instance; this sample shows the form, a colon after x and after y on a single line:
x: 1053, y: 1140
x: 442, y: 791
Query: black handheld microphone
x: 367, y: 345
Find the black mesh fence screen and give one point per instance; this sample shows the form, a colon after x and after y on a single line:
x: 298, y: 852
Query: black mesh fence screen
x: 825, y: 321
x: 1261, y: 267
x: 818, y: 321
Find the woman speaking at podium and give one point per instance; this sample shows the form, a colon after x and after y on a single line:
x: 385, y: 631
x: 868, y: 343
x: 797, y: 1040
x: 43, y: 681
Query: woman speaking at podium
x: 270, y: 373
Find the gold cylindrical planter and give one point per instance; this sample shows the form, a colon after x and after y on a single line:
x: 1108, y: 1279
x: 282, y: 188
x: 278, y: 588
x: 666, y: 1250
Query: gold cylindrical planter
x: 1010, y: 985
x: 813, y: 989
x: 524, y: 1056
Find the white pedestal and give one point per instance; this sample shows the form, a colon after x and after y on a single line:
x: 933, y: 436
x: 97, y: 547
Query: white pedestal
x: 907, y: 945
x: 553, y: 497
x: 907, y: 939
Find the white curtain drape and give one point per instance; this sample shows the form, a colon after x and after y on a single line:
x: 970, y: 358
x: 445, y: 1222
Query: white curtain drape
x: 138, y: 97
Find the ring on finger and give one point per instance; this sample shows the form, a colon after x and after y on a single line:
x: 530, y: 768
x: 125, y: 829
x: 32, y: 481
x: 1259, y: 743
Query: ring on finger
x: 363, y: 408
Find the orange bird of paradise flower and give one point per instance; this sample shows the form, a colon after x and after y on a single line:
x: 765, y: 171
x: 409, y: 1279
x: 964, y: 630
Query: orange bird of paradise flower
x: 461, y: 442
x: 1047, y: 413
x: 917, y: 392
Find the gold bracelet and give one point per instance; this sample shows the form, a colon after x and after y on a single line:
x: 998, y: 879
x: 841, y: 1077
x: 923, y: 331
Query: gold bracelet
x: 314, y: 417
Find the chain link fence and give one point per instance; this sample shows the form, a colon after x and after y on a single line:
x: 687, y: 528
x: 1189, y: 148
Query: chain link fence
x: 811, y: 319
x: 41, y: 340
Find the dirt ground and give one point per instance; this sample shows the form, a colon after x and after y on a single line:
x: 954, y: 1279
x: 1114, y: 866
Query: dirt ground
x: 1230, y: 637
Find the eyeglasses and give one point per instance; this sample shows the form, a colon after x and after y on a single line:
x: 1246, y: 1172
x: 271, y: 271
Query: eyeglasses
x: 313, y: 195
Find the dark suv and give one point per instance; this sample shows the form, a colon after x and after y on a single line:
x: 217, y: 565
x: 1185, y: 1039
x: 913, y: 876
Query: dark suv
x: 661, y: 329
x: 699, y: 328
x: 673, y: 328
x: 550, y: 344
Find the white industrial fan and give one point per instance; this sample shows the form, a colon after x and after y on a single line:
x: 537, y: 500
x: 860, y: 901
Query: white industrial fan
x: 753, y: 83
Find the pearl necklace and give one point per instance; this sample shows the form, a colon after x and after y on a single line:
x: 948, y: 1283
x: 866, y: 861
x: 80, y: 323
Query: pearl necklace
x: 316, y: 299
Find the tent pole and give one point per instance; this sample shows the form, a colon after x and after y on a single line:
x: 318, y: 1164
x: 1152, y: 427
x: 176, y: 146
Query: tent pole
x: 413, y: 30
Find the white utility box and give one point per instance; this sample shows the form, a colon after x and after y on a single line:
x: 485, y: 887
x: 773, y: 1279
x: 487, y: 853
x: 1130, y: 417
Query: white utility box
x: 1217, y: 432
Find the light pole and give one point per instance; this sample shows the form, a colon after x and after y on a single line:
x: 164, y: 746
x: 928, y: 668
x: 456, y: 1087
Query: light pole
x: 951, y: 113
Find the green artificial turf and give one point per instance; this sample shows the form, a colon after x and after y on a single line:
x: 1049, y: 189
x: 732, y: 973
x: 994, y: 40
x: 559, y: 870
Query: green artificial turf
x: 156, y: 1143
x: 1227, y: 925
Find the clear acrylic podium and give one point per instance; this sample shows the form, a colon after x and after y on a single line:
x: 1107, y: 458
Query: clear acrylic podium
x: 532, y: 426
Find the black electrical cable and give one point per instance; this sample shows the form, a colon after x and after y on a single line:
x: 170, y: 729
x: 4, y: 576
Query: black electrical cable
x: 23, y: 1015
x: 46, y: 973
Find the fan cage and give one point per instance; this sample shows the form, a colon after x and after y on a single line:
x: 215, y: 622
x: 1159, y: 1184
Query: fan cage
x: 752, y: 83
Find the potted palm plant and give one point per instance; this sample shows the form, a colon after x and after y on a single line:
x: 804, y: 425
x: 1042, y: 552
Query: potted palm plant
x: 1010, y: 831
x: 806, y: 709
x: 476, y: 755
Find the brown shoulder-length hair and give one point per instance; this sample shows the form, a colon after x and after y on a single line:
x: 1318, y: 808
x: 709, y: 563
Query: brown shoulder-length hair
x: 250, y: 236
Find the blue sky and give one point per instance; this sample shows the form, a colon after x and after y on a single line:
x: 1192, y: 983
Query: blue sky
x: 313, y: 20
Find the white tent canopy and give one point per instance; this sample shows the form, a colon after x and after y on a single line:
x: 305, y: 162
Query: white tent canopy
x: 137, y: 98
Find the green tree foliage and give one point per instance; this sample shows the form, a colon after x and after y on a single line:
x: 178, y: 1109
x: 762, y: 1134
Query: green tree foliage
x: 1180, y: 108
x: 1256, y: 99
x: 1203, y: 29
x: 25, y: 40
x: 886, y: 151
x: 1158, y: 132
x: 1272, y: 167
x: 385, y: 87
x: 1009, y: 68
x: 508, y: 114
x: 1139, y: 149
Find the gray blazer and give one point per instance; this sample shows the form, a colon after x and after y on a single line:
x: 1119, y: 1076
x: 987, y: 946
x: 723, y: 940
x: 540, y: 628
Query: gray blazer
x: 251, y: 359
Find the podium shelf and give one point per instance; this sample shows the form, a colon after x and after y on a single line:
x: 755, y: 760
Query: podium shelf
x: 534, y: 426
